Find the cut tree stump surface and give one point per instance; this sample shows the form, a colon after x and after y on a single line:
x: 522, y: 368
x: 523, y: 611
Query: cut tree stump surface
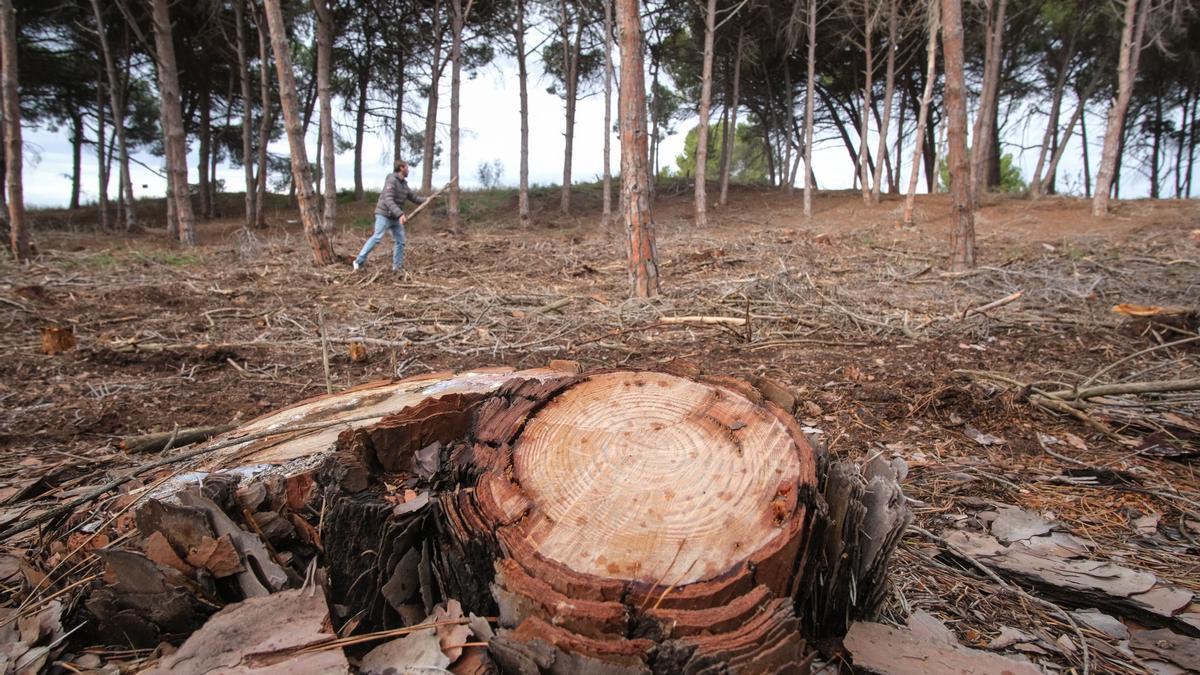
x: 655, y: 477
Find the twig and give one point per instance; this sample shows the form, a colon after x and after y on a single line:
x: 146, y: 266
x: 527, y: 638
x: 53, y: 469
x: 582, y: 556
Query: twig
x: 707, y: 320
x: 1134, y: 355
x: 324, y: 350
x: 993, y: 305
x: 1153, y: 387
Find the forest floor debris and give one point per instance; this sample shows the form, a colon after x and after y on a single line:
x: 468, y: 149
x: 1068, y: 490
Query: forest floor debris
x: 849, y: 313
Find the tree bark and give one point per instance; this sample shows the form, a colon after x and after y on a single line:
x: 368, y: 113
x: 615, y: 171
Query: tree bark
x: 1156, y: 147
x: 457, y: 20
x: 923, y: 113
x: 247, y: 110
x: 810, y: 88
x: 76, y: 157
x: 731, y: 126
x: 101, y: 158
x: 325, y: 29
x: 431, y: 109
x: 314, y: 229
x: 264, y: 128
x: 635, y: 203
x: 523, y: 83
x: 982, y: 136
x: 790, y: 163
x: 1087, y: 168
x: 895, y: 176
x: 205, y: 134
x: 172, y: 113
x: 606, y: 181
x: 1131, y: 48
x: 116, y: 98
x: 18, y: 232
x: 962, y: 240
x: 571, y: 77
x: 889, y: 90
x: 864, y: 168
x: 701, y: 191
x: 360, y: 130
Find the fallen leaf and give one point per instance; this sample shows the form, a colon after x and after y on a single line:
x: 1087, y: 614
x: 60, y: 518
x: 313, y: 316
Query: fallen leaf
x: 980, y: 437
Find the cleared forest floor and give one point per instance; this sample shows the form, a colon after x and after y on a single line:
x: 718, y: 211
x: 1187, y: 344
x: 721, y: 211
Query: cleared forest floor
x: 854, y: 314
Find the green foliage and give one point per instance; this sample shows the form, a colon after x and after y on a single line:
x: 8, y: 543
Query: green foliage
x: 747, y: 165
x: 1010, y: 175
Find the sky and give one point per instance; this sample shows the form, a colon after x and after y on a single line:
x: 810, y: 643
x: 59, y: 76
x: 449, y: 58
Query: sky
x: 490, y: 123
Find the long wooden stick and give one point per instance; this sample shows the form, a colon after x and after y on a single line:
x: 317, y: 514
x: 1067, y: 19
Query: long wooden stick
x: 429, y: 199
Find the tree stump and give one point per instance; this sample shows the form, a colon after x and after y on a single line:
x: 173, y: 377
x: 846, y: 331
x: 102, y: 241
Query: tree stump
x: 613, y: 521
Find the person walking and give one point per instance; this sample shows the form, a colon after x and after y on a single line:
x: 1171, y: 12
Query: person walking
x: 389, y: 216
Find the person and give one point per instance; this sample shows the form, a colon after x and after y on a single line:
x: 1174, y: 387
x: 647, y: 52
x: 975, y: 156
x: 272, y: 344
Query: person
x: 389, y: 216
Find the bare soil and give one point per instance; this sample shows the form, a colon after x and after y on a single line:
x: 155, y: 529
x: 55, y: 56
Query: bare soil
x: 855, y: 314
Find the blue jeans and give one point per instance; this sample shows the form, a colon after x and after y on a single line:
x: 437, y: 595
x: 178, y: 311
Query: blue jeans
x: 385, y: 224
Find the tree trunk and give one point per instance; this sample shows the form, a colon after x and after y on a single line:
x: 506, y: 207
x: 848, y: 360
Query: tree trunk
x: 571, y: 75
x: 205, y: 133
x: 398, y: 133
x: 1087, y: 168
x: 654, y: 140
x: 606, y: 186
x: 731, y: 126
x: 325, y: 29
x: 1156, y: 147
x: 1051, y: 171
x: 864, y: 168
x: 923, y: 113
x: 172, y: 114
x: 360, y: 129
x: 982, y: 136
x: 1179, y: 142
x: 1131, y: 48
x: 1191, y: 155
x: 701, y: 191
x: 431, y: 109
x: 101, y: 158
x: 76, y: 157
x: 895, y: 176
x: 523, y: 83
x: 789, y: 128
x: 635, y: 203
x: 1060, y: 84
x: 18, y: 234
x: 931, y: 153
x: 314, y: 229
x: 116, y: 100
x: 889, y: 90
x: 810, y: 87
x: 962, y: 240
x: 457, y: 19
x: 247, y: 110
x: 264, y: 128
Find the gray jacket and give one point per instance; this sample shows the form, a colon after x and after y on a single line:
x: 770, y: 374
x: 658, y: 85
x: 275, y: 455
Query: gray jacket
x: 391, y: 199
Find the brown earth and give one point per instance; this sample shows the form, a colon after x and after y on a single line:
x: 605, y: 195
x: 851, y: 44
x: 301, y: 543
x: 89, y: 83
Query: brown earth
x: 853, y: 313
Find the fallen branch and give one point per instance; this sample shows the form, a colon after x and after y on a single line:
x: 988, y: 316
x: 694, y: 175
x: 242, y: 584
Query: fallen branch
x: 429, y: 199
x: 708, y: 320
x: 993, y: 305
x: 153, y: 442
x: 1153, y: 387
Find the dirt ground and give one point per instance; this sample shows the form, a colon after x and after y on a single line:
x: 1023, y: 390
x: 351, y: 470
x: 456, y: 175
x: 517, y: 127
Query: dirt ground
x: 858, y: 316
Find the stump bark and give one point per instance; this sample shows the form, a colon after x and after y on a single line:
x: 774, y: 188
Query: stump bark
x: 614, y: 521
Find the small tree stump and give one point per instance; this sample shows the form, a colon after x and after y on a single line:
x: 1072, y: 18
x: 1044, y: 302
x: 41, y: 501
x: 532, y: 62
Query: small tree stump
x: 57, y: 339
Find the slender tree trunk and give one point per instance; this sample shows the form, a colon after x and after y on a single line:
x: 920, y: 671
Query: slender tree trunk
x: 314, y: 228
x: 431, y: 109
x: 635, y: 204
x: 889, y: 90
x: 325, y: 29
x: 205, y: 133
x: 1060, y: 85
x: 398, y: 133
x: 101, y: 158
x: 360, y: 130
x: 701, y: 191
x: 247, y: 110
x: 1131, y: 48
x: 789, y: 129
x: 931, y: 153
x: 731, y: 126
x: 116, y: 99
x: 985, y: 119
x: 214, y: 159
x: 18, y: 234
x: 76, y: 157
x: 923, y: 113
x: 457, y: 19
x: 810, y: 87
x: 523, y: 82
x: 571, y: 73
x: 864, y: 168
x: 895, y: 176
x: 1191, y: 155
x: 654, y: 140
x: 1051, y: 170
x: 1179, y: 139
x: 606, y: 217
x: 962, y: 240
x: 1156, y: 147
x: 1087, y: 168
x: 264, y: 128
x: 172, y: 113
